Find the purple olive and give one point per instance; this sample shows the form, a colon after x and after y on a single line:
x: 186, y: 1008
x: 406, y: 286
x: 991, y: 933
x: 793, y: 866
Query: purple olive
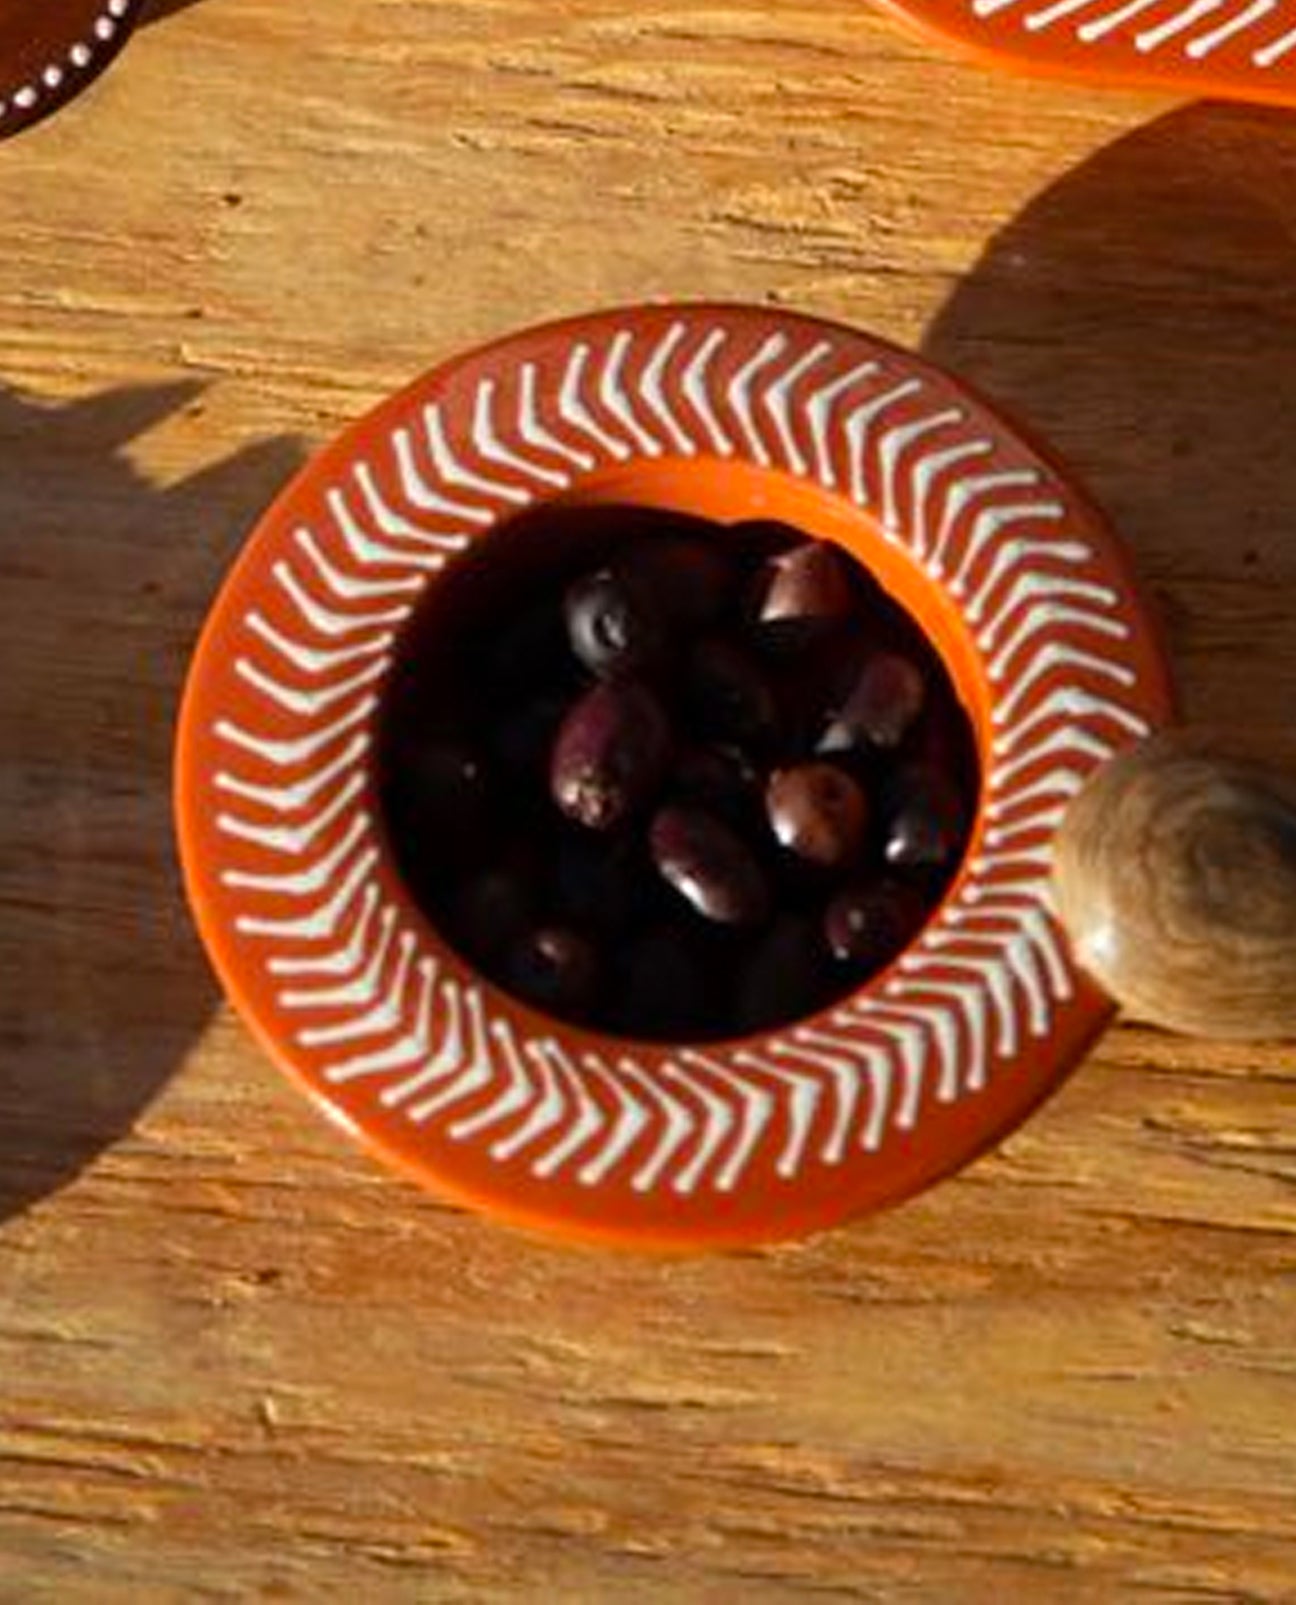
x: 927, y: 820
x: 865, y: 926
x: 880, y: 708
x: 610, y: 755
x: 765, y: 538
x: 722, y: 779
x: 554, y: 968
x: 614, y: 628
x: 784, y: 977
x: 813, y: 683
x: 803, y: 592
x: 688, y: 580
x: 729, y: 695
x: 709, y: 866
x: 818, y: 812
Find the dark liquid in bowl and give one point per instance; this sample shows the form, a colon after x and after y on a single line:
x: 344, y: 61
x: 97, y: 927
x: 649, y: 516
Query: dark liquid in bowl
x: 669, y: 779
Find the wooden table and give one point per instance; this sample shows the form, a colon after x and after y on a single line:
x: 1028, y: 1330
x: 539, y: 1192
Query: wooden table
x: 241, y: 1363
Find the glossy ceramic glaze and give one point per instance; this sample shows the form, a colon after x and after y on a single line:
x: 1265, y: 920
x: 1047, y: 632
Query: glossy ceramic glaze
x: 729, y: 413
x: 1238, y: 49
x: 50, y: 50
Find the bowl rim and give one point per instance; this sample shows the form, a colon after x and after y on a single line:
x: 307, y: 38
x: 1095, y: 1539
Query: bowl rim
x: 653, y: 1145
x: 1222, y: 58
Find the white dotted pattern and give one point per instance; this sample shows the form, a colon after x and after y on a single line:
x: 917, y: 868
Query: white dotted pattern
x: 104, y: 30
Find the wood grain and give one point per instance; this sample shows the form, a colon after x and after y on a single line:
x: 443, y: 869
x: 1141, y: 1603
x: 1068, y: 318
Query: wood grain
x: 1174, y: 877
x: 243, y: 1364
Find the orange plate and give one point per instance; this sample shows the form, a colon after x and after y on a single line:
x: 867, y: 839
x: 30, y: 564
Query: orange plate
x: 730, y: 413
x: 1238, y: 49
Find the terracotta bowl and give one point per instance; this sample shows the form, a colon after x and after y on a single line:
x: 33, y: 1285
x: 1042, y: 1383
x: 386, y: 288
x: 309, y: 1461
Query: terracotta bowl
x: 1236, y: 49
x: 50, y: 50
x: 729, y: 413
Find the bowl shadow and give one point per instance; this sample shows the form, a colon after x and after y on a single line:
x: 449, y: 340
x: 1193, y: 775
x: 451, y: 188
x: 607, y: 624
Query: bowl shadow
x: 1141, y: 313
x: 105, y: 578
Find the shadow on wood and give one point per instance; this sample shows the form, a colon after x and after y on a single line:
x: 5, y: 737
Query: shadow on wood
x: 1141, y: 313
x: 105, y: 580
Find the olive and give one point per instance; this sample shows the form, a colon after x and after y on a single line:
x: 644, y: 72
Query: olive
x: 801, y: 593
x: 866, y: 925
x: 721, y: 778
x: 927, y: 820
x: 689, y: 580
x: 553, y: 967
x: 729, y: 695
x: 709, y: 865
x: 610, y: 754
x: 760, y: 539
x: 879, y: 709
x: 614, y: 627
x: 784, y: 977
x: 815, y: 682
x: 818, y: 812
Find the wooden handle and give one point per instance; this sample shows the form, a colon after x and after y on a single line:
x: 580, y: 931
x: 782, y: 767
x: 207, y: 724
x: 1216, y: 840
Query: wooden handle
x: 1175, y: 877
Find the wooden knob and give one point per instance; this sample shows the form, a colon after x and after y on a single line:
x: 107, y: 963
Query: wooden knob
x: 1175, y: 876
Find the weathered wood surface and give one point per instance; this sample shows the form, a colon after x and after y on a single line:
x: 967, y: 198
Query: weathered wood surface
x: 239, y: 1362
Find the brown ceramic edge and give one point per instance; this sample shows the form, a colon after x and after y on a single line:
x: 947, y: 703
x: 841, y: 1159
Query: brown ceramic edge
x: 16, y: 119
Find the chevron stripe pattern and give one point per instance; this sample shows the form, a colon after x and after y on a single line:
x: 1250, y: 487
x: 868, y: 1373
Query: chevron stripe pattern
x: 376, y: 1011
x: 1261, y: 33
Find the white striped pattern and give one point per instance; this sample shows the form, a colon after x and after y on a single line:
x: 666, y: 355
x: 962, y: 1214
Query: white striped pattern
x: 1192, y: 29
x: 373, y: 1011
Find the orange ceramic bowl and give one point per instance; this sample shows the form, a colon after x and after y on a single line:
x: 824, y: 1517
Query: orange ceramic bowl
x: 729, y: 413
x: 1236, y: 49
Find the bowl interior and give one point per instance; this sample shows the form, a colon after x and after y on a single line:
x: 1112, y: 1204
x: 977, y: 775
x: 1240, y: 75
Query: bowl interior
x: 558, y: 536
x: 731, y: 491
